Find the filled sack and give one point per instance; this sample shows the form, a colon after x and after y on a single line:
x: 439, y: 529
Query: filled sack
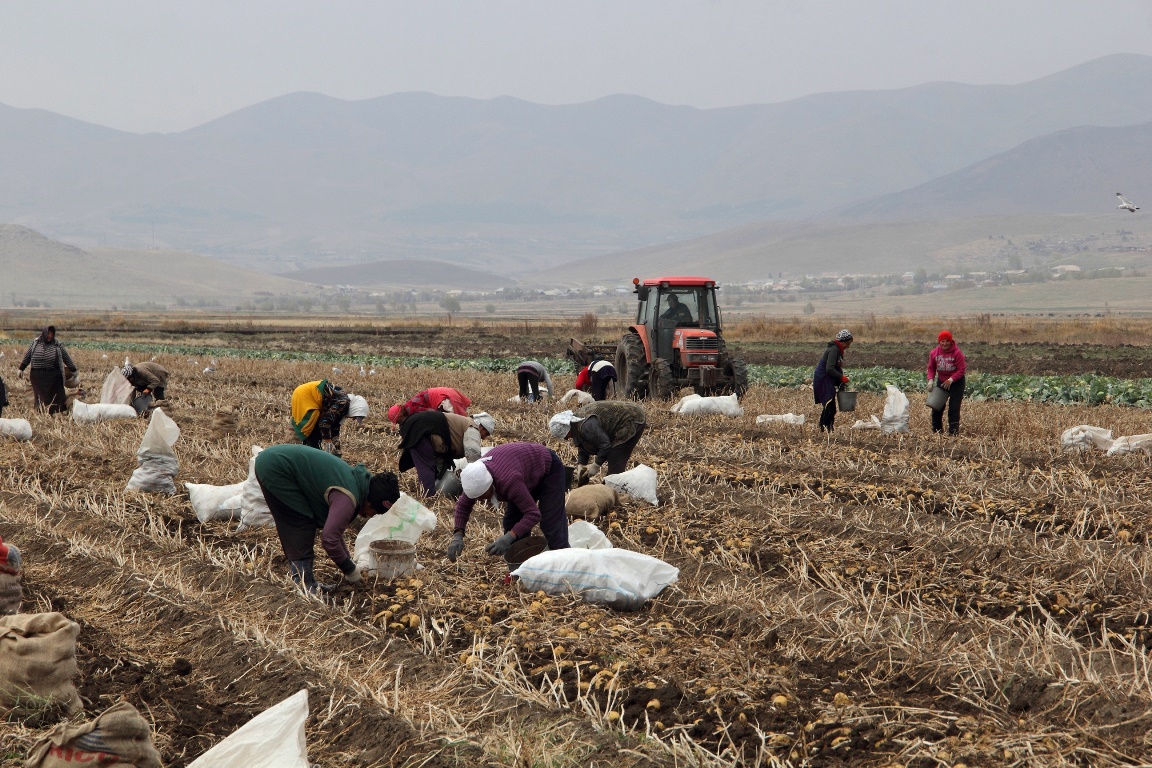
x: 697, y: 405
x: 1086, y: 436
x: 583, y: 535
x: 618, y: 578
x: 1131, y: 444
x: 582, y: 397
x: 156, y: 462
x: 225, y: 422
x: 18, y: 429
x: 589, y: 502
x: 870, y: 423
x: 638, y: 482
x: 897, y: 410
x: 84, y: 413
x: 38, y: 662
x: 116, y: 390
x: 273, y: 739
x: 254, y: 511
x: 407, y: 520
x: 794, y: 419
x: 215, y: 502
x: 118, y: 738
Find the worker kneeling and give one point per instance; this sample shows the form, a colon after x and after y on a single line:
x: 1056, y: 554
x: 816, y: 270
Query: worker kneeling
x: 529, y: 479
x: 307, y: 489
x: 607, y: 432
x: 430, y: 441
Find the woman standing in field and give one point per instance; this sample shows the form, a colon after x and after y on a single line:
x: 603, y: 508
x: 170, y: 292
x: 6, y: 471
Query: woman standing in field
x: 829, y: 376
x: 946, y: 368
x: 49, y: 361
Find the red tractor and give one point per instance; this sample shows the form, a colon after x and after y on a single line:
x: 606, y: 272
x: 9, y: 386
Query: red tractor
x: 676, y: 342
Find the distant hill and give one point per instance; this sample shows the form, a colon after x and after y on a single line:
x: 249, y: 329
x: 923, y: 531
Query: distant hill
x: 406, y: 273
x: 508, y: 186
x: 38, y: 268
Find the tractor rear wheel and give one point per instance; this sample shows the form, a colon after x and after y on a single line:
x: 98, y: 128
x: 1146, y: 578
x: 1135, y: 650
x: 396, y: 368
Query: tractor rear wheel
x: 737, y: 372
x: 632, y: 366
x: 660, y: 383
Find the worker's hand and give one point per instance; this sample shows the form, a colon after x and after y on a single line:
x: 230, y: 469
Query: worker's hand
x: 947, y: 383
x: 355, y: 577
x: 455, y: 547
x: 327, y: 447
x: 844, y: 380
x: 581, y: 475
x: 931, y: 385
x: 22, y: 373
x: 593, y: 470
x: 501, y: 545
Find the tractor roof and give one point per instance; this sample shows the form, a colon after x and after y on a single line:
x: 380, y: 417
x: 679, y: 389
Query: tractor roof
x: 679, y: 281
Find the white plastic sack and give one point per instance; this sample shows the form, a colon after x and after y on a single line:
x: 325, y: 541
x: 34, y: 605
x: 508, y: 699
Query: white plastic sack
x: 583, y: 535
x: 213, y: 502
x: 406, y: 521
x: 582, y: 398
x: 116, y: 389
x: 638, y: 482
x: 156, y: 462
x: 870, y: 423
x: 254, y: 510
x: 19, y: 429
x: 696, y: 405
x: 795, y: 419
x: 273, y: 739
x: 1085, y: 436
x: 896, y: 412
x: 544, y: 392
x: 1131, y: 444
x: 84, y: 413
x: 618, y: 578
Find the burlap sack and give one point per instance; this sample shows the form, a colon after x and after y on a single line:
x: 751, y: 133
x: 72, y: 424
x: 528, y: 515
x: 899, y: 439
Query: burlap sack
x: 38, y: 661
x: 224, y: 423
x: 590, y: 501
x: 119, y: 738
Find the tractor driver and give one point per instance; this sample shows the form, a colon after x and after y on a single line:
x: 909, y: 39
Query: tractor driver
x: 676, y: 312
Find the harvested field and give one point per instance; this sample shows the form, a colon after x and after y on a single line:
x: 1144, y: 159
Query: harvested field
x: 862, y: 599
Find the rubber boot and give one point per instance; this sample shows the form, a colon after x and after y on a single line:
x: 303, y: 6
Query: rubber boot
x: 301, y: 572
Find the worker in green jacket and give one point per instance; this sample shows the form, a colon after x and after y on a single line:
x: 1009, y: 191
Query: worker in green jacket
x: 308, y: 489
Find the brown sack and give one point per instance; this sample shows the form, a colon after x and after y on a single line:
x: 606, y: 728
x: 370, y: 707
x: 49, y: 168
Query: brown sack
x: 38, y: 661
x: 590, y: 501
x: 119, y: 738
x: 224, y: 423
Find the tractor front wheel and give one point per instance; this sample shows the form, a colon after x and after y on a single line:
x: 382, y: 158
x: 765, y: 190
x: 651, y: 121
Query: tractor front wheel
x: 660, y: 382
x: 632, y: 366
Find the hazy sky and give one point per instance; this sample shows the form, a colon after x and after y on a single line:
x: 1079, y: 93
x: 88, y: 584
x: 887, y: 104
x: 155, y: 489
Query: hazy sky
x: 163, y: 65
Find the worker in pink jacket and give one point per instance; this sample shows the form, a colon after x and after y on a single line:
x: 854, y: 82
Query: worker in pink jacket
x: 946, y: 367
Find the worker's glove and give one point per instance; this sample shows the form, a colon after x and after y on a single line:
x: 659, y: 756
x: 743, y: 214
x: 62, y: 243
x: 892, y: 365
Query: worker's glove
x: 501, y: 545
x: 947, y: 383
x: 455, y: 547
x: 845, y: 381
x: 355, y: 577
x: 328, y: 447
x: 593, y: 470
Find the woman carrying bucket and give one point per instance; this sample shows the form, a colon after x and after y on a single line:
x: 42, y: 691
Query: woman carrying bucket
x: 829, y: 376
x: 946, y: 366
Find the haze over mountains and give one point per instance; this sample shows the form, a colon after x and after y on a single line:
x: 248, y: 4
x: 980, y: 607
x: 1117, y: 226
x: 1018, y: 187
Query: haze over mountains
x: 504, y: 186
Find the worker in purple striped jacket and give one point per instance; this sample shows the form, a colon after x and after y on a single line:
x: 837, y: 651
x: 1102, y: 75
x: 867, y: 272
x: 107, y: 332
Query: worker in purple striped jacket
x: 529, y: 479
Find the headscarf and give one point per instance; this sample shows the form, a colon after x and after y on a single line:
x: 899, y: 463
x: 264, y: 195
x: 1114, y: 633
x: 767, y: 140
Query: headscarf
x: 394, y: 414
x: 844, y: 335
x: 475, y: 479
x: 944, y: 336
x: 128, y: 370
x: 484, y: 419
x: 357, y: 407
x: 51, y: 329
x: 560, y: 424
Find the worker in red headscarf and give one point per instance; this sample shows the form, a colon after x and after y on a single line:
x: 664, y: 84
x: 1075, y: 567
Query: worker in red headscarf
x: 946, y: 367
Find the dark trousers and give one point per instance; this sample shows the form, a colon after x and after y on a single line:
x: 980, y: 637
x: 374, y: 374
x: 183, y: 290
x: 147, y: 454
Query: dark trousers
x: 427, y: 464
x: 955, y: 395
x: 529, y: 381
x: 296, y: 531
x: 618, y: 455
x: 549, y: 496
x: 313, y: 440
x: 48, y: 386
x: 828, y: 415
x: 599, y: 381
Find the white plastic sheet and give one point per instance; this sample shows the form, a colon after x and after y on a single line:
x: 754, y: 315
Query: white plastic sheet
x: 116, y: 389
x: 1131, y: 444
x: 273, y: 739
x: 795, y: 419
x: 639, y: 482
x: 19, y: 429
x: 215, y: 502
x: 697, y: 405
x: 407, y: 520
x: 85, y: 413
x: 870, y: 423
x: 1086, y: 436
x: 615, y: 577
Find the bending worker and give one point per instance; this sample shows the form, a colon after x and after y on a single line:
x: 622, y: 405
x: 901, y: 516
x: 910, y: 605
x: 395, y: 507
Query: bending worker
x: 318, y: 409
x: 528, y: 376
x: 146, y: 379
x: 431, y: 440
x: 607, y: 431
x: 306, y: 490
x: 595, y: 378
x: 529, y: 479
x: 445, y: 399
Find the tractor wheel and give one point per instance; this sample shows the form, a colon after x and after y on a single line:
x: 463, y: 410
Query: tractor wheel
x: 737, y: 372
x: 632, y: 366
x: 660, y: 383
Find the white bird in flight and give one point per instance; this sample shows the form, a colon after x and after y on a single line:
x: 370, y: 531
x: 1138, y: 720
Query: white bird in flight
x: 1126, y: 204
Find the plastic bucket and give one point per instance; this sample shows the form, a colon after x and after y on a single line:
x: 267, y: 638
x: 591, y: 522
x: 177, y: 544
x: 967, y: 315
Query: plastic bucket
x: 846, y: 400
x: 524, y: 549
x: 937, y: 398
x: 393, y: 558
